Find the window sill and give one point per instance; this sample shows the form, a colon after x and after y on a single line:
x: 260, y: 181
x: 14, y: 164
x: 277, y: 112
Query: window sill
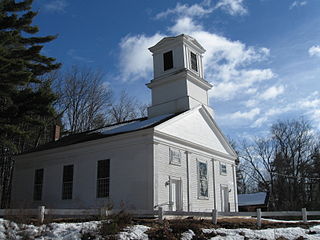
x: 203, y: 198
x: 175, y: 164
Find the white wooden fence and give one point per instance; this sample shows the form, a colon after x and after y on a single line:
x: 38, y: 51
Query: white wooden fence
x: 41, y: 212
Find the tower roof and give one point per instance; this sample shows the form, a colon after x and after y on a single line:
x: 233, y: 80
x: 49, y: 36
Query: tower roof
x: 180, y: 38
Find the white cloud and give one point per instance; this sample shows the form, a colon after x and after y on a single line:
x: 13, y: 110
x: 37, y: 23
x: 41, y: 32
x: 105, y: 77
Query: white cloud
x: 245, y: 115
x: 135, y: 58
x: 270, y: 113
x: 314, y: 103
x: 311, y: 105
x: 184, y: 25
x: 226, y: 62
x: 314, y: 51
x: 272, y: 92
x: 185, y: 10
x: 251, y: 103
x: 259, y: 122
x: 297, y: 4
x: 233, y: 7
x: 56, y: 6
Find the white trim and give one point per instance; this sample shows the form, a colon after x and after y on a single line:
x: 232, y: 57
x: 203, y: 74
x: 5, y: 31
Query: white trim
x: 181, y: 141
x: 214, y: 184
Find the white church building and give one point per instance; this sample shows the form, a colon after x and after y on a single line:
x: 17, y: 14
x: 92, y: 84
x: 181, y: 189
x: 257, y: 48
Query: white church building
x: 177, y: 157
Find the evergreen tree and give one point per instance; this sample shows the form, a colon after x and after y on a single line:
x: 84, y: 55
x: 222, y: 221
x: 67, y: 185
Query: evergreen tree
x: 25, y: 99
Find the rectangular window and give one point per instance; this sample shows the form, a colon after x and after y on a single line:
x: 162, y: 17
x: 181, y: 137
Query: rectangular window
x: 67, y: 183
x: 167, y: 61
x: 103, y: 178
x: 175, y: 156
x: 223, y: 169
x: 38, y: 183
x: 203, y: 180
x: 194, y: 64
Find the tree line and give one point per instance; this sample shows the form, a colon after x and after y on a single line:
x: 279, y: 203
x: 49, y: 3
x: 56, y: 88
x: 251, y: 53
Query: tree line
x: 285, y: 163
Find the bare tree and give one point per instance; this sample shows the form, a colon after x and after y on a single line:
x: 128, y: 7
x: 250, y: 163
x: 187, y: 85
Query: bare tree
x: 282, y: 164
x: 294, y: 143
x: 84, y: 99
x: 126, y: 108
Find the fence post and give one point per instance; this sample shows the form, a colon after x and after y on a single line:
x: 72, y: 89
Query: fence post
x: 214, y: 216
x: 259, y: 217
x: 104, y: 212
x: 304, y: 215
x: 41, y: 211
x: 160, y: 213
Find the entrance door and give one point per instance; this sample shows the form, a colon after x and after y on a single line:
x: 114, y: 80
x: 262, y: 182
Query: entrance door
x: 224, y: 199
x: 175, y: 195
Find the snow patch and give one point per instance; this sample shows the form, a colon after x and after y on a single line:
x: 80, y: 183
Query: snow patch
x: 136, y: 232
x: 188, y: 235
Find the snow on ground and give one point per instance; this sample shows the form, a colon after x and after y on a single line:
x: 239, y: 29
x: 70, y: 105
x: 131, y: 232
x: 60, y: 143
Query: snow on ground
x: 52, y: 231
x: 134, y: 232
x: 270, y: 234
x: 77, y: 231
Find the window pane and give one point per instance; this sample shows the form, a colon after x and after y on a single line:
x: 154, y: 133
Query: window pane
x: 67, y: 184
x: 103, y: 176
x: 204, y: 188
x: 38, y: 178
x: 203, y: 179
x: 167, y: 60
x: 103, y: 168
x: 223, y: 168
x: 68, y: 173
x: 38, y: 183
x: 67, y: 190
x: 202, y: 170
x: 103, y: 187
x: 194, y: 64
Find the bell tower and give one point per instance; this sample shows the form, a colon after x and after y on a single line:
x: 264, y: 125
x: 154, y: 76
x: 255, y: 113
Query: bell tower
x: 178, y: 82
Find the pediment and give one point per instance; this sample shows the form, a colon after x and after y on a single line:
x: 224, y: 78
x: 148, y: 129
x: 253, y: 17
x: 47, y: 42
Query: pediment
x: 171, y: 40
x: 197, y: 126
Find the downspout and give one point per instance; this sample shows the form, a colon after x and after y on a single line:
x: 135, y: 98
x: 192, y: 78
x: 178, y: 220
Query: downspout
x: 235, y: 189
x: 214, y: 185
x: 188, y: 184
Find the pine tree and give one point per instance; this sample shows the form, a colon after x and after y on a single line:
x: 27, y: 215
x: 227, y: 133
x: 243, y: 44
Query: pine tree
x: 25, y: 99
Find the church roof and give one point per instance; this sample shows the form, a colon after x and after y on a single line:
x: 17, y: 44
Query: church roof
x: 107, y: 131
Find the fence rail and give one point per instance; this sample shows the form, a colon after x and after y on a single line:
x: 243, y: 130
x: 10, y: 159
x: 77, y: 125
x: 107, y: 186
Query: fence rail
x: 41, y: 212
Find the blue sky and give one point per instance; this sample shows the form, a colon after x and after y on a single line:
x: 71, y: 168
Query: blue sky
x: 263, y: 56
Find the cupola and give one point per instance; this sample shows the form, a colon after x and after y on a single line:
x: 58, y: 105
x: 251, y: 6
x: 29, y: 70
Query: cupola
x: 178, y: 81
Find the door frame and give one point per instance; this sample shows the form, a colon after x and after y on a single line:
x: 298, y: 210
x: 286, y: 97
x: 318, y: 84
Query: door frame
x: 225, y: 202
x: 179, y: 195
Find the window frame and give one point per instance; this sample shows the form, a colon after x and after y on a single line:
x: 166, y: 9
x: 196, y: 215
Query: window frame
x: 67, y: 185
x: 202, y: 178
x: 223, y: 166
x: 105, y: 180
x: 173, y: 158
x: 37, y: 196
